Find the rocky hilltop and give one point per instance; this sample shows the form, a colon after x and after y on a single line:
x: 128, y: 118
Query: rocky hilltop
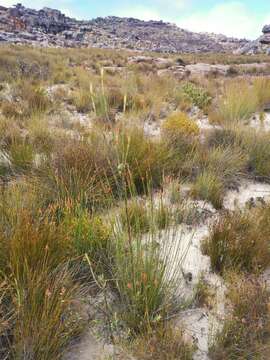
x: 260, y: 45
x: 49, y: 27
x: 265, y: 39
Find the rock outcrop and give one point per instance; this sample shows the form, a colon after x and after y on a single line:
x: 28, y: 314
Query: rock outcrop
x: 48, y: 27
x: 265, y: 39
x: 257, y: 46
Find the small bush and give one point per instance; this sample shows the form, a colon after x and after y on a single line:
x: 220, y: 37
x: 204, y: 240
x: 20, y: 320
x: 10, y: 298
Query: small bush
x: 228, y: 163
x: 180, y: 125
x: 209, y: 187
x: 21, y: 156
x: 146, y: 277
x: 245, y: 331
x: 82, y: 101
x: 197, y: 95
x: 135, y: 218
x: 89, y: 235
x: 237, y: 104
x: 46, y: 319
x: 262, y: 91
x: 30, y: 99
x: 164, y: 343
x: 258, y: 149
x: 80, y: 171
x: 163, y: 216
x: 142, y: 159
x: 239, y: 241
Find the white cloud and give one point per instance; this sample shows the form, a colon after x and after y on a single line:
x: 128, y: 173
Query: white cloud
x: 169, y: 4
x: 140, y: 12
x: 230, y: 18
x: 37, y: 4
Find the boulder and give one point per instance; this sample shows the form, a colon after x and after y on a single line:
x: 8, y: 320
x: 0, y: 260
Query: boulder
x: 266, y: 29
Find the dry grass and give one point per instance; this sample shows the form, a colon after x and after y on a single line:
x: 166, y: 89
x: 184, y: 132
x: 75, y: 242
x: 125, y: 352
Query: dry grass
x: 237, y: 104
x: 246, y: 328
x: 62, y: 182
x: 239, y: 241
x: 163, y: 344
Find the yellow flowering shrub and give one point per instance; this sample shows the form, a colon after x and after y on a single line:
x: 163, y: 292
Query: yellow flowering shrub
x: 179, y: 124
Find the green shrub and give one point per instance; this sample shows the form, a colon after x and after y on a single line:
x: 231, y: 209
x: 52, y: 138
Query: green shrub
x: 89, y: 235
x: 262, y: 91
x: 31, y: 99
x: 46, y: 318
x: 209, y: 187
x: 237, y: 104
x: 239, y: 241
x: 257, y: 146
x: 141, y: 159
x: 80, y: 171
x: 163, y: 216
x: 147, y: 269
x: 21, y: 156
x: 228, y: 163
x: 197, y: 95
x: 135, y: 218
x: 41, y: 291
x: 82, y: 100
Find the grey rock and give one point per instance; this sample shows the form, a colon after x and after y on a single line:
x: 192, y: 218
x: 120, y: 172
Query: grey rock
x: 266, y: 29
x: 265, y: 39
x: 50, y: 27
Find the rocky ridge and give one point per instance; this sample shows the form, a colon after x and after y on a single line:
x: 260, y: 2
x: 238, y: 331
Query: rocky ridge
x: 49, y: 27
x: 260, y: 45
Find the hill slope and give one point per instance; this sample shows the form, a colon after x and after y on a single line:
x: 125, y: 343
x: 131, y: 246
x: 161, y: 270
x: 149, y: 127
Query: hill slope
x: 50, y: 27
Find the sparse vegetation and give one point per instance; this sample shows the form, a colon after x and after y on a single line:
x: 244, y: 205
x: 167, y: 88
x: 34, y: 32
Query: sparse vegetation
x: 102, y: 162
x: 246, y: 328
x: 240, y: 241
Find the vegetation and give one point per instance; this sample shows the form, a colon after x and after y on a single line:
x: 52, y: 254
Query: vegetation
x: 246, y: 329
x: 240, y: 241
x: 101, y: 166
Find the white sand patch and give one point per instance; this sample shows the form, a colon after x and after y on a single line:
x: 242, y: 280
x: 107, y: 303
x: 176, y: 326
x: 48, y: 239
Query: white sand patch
x: 248, y: 190
x: 258, y: 124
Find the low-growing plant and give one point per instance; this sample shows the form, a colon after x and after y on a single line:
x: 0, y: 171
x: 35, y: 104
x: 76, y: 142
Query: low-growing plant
x: 245, y: 332
x: 237, y: 104
x: 180, y: 125
x: 257, y: 146
x: 143, y: 158
x: 30, y: 99
x: 262, y: 91
x: 46, y: 319
x: 164, y: 343
x: 135, y: 217
x: 89, y: 235
x: 21, y: 155
x: 146, y: 274
x: 82, y: 100
x: 197, y: 95
x: 163, y: 216
x: 180, y: 136
x: 227, y: 162
x: 239, y: 241
x: 209, y: 187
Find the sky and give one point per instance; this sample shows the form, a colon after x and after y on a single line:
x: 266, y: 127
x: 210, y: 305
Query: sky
x: 238, y: 18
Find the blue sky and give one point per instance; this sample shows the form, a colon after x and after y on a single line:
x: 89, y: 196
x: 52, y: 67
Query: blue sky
x: 240, y: 18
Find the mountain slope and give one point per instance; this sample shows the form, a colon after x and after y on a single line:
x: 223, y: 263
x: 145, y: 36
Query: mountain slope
x: 50, y: 27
